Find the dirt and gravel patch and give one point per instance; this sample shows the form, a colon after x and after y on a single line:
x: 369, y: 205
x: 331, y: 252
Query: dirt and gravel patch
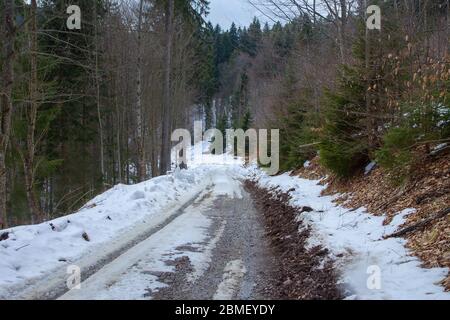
x: 262, y: 232
x: 303, y: 274
x: 239, y: 230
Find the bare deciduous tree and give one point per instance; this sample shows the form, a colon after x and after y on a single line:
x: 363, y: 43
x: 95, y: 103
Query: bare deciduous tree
x: 140, y: 125
x: 32, y: 114
x: 335, y: 12
x: 167, y: 103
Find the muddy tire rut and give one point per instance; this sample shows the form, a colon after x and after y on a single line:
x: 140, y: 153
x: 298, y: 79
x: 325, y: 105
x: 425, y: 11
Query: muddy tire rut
x: 303, y: 274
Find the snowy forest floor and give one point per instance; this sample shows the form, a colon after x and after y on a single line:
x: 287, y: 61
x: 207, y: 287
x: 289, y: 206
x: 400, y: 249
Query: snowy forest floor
x: 427, y: 190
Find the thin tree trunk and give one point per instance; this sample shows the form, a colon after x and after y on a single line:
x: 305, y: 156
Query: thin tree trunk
x: 127, y: 149
x: 447, y: 29
x: 97, y: 95
x: 119, y: 127
x: 32, y: 201
x: 367, y: 75
x: 6, y: 100
x: 167, y: 107
x: 51, y: 196
x: 343, y: 30
x: 32, y: 113
x: 314, y: 13
x: 142, y: 168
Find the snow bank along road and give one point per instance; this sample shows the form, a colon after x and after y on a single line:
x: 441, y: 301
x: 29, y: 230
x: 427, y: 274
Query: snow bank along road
x: 213, y: 249
x: 195, y: 234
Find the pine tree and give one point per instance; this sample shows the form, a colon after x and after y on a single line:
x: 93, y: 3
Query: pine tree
x: 206, y: 71
x: 252, y: 40
x: 234, y: 37
x: 344, y: 144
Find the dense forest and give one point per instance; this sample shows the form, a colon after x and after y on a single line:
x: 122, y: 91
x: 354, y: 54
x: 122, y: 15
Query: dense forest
x: 83, y: 110
x: 335, y: 87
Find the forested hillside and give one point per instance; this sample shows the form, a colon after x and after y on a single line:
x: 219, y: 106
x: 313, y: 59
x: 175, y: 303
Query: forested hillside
x: 83, y: 110
x: 333, y: 86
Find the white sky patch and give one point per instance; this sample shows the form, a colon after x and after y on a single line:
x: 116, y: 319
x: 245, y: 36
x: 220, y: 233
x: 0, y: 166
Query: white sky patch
x: 225, y: 12
x: 232, y: 277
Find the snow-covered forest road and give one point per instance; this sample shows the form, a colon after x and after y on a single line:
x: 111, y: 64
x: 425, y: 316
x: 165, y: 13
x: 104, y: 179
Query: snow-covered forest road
x: 213, y: 249
x: 218, y: 230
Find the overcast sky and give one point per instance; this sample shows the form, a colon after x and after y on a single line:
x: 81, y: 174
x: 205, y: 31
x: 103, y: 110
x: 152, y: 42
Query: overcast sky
x: 224, y: 12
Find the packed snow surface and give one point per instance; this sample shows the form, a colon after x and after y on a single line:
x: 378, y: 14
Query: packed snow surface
x: 233, y: 273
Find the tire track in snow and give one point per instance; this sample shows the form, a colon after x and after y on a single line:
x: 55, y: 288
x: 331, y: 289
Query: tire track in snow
x: 54, y: 286
x: 233, y: 274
